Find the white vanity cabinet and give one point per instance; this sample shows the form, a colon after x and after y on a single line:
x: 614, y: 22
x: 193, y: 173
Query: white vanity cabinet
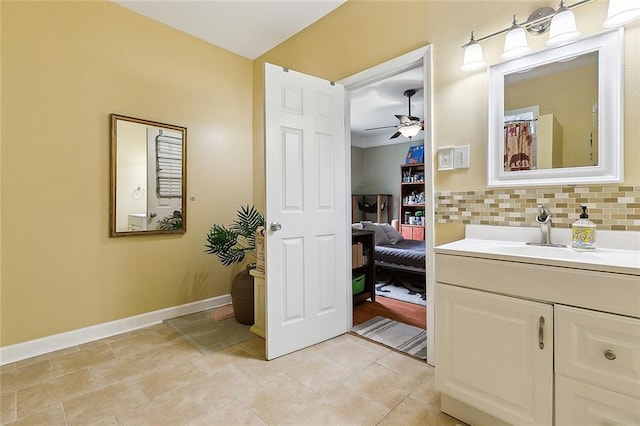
x: 137, y: 222
x: 493, y: 312
x: 498, y: 353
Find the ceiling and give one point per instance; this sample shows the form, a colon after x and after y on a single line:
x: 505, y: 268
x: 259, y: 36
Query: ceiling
x: 250, y: 28
x: 377, y: 104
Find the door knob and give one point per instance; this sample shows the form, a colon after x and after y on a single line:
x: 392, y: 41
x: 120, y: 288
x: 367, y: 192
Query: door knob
x: 275, y: 226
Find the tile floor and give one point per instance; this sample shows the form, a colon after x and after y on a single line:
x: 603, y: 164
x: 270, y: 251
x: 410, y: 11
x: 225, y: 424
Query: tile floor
x: 152, y: 377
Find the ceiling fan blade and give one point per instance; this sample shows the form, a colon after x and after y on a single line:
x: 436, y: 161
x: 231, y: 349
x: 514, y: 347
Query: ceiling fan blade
x: 378, y: 128
x: 404, y: 119
x: 395, y: 135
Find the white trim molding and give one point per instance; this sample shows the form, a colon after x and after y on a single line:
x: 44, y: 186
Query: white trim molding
x: 421, y: 57
x: 31, y: 348
x: 610, y: 168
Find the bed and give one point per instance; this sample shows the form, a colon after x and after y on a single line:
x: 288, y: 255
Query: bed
x: 406, y: 255
x: 392, y: 251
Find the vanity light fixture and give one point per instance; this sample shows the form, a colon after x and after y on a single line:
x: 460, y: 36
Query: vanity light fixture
x: 622, y: 12
x: 410, y: 130
x: 515, y: 42
x: 473, y: 57
x: 563, y: 27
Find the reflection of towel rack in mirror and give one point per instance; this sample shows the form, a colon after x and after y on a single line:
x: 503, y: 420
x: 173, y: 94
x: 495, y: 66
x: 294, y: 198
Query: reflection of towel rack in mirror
x: 521, y: 121
x: 138, y: 192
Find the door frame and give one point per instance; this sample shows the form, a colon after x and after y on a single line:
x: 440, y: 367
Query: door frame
x: 419, y: 57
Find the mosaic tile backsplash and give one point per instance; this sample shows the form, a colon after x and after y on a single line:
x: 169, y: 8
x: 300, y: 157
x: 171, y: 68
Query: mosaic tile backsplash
x: 614, y: 207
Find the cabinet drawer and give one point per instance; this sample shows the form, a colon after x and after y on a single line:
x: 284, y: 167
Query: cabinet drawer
x: 579, y: 403
x: 598, y: 348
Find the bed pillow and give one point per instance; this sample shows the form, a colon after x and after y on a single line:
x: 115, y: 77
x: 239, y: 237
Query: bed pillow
x: 380, y: 235
x: 393, y: 235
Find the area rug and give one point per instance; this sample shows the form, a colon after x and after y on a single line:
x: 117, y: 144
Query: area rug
x: 401, y: 286
x: 207, y: 335
x: 403, y: 337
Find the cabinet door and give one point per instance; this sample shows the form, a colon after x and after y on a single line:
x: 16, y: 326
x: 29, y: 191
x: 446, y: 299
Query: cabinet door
x: 418, y: 233
x: 495, y: 353
x: 407, y: 232
x: 579, y: 403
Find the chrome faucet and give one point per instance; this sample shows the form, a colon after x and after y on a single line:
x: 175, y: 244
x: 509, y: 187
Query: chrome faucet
x: 544, y: 219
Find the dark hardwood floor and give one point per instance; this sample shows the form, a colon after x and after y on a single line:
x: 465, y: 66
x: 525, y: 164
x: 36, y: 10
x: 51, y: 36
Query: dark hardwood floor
x: 396, y: 310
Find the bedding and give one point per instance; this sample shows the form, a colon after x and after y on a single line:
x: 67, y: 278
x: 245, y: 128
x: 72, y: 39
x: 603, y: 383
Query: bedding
x: 408, y: 255
x: 392, y: 251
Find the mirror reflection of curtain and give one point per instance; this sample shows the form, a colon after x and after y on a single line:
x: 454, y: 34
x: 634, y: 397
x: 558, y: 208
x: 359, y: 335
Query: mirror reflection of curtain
x: 518, y: 146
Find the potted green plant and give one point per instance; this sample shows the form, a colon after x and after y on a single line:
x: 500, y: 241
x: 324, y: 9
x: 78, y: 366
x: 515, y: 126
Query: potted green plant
x: 171, y: 222
x: 231, y: 245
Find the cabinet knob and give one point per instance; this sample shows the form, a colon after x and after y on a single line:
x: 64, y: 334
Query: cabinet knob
x: 609, y: 354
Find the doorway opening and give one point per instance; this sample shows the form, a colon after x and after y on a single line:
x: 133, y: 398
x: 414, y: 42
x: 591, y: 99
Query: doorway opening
x: 391, y: 189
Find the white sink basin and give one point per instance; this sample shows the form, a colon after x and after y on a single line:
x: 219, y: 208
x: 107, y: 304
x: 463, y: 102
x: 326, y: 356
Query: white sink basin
x: 612, y: 260
x: 548, y: 252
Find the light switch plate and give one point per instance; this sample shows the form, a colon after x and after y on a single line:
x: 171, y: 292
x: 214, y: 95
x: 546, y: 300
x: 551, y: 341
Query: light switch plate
x: 461, y: 157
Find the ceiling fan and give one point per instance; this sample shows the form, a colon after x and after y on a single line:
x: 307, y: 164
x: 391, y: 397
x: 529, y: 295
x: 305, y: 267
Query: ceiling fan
x: 409, y: 125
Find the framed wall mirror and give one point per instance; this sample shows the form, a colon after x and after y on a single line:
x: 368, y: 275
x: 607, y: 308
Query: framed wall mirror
x: 555, y: 116
x: 148, y: 177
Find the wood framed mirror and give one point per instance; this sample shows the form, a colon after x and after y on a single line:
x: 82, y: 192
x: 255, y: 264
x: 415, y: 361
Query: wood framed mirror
x: 148, y: 177
x: 565, y: 103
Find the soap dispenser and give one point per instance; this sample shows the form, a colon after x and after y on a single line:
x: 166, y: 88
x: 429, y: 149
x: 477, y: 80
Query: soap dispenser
x: 583, y: 232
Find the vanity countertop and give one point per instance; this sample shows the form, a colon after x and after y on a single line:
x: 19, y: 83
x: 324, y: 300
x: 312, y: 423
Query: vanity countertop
x: 624, y: 260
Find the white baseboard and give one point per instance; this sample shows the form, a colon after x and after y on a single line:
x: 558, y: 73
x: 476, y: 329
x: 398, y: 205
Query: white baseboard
x: 20, y: 351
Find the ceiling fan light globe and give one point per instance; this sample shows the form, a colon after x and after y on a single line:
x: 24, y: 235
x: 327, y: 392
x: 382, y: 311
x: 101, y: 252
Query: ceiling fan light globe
x: 410, y: 131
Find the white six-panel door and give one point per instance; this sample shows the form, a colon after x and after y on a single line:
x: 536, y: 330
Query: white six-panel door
x: 306, y: 262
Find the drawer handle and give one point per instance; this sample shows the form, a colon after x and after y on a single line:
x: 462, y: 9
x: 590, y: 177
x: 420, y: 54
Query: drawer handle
x: 541, y: 332
x: 609, y: 354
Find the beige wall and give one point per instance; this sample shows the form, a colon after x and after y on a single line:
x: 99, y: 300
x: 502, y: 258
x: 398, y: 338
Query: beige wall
x: 361, y: 34
x: 65, y: 67
x: 380, y: 171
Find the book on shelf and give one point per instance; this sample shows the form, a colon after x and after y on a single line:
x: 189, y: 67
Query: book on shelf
x: 415, y: 154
